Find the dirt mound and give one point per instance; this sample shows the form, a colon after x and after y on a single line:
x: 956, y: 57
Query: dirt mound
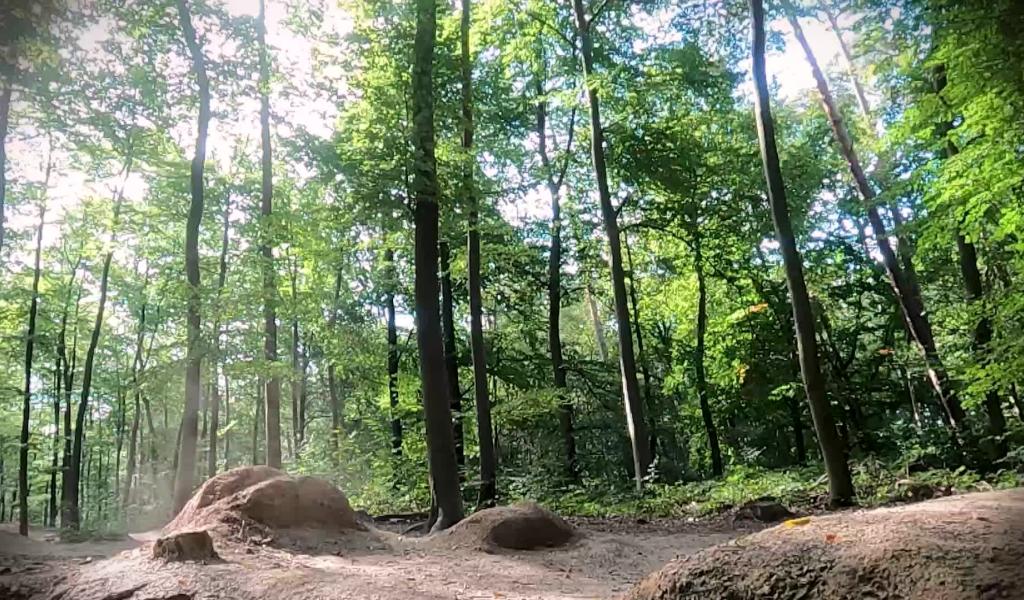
x: 962, y: 547
x: 262, y: 500
x: 522, y: 526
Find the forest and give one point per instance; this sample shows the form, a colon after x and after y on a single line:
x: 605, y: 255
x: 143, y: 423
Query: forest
x: 621, y: 257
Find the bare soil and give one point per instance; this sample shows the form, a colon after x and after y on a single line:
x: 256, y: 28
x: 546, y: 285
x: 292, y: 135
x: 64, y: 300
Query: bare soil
x: 957, y: 548
x: 960, y: 547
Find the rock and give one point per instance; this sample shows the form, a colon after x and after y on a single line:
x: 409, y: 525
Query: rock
x: 765, y: 511
x: 194, y: 546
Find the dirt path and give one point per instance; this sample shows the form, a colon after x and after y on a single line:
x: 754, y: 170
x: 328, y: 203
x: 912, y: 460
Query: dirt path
x: 601, y: 564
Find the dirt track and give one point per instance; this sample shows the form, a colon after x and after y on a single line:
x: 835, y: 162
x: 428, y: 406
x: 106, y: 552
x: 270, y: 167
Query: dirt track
x: 602, y: 564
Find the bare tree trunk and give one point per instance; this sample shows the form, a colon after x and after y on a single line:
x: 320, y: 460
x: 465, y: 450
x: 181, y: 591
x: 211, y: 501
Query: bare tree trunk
x: 699, y: 354
x: 273, y: 384
x: 68, y: 366
x: 137, y: 365
x: 296, y: 378
x: 451, y: 352
x: 443, y: 468
x: 227, y: 418
x: 222, y: 274
x: 485, y: 433
x: 26, y: 409
x: 634, y: 300
x: 832, y: 449
x: 910, y: 303
x: 636, y: 423
x: 193, y: 367
x: 598, y: 323
x: 389, y: 307
x: 257, y: 457
x: 51, y: 508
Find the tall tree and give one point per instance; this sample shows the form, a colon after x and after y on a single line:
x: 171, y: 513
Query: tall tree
x: 272, y: 397
x: 444, y: 474
x: 451, y: 351
x: 26, y: 409
x: 554, y: 185
x: 222, y: 274
x: 193, y: 367
x: 832, y: 449
x: 75, y: 471
x: 485, y: 432
x: 392, y: 335
x: 909, y: 298
x: 6, y: 91
x: 635, y: 420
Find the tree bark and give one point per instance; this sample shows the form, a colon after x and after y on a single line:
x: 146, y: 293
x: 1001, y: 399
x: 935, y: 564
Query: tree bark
x: 451, y: 352
x: 137, y: 414
x: 636, y: 423
x: 26, y: 409
x: 832, y: 450
x: 337, y: 410
x: 273, y: 383
x: 699, y: 354
x: 443, y: 468
x: 193, y: 367
x: 485, y: 433
x: 51, y: 508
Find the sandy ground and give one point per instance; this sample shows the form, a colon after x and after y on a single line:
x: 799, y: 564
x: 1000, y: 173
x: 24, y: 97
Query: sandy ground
x: 607, y: 559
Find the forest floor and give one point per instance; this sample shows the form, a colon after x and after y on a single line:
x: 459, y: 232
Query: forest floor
x: 960, y: 547
x: 610, y: 556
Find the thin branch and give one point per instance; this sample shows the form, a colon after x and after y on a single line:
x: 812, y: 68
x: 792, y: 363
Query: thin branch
x: 571, y: 42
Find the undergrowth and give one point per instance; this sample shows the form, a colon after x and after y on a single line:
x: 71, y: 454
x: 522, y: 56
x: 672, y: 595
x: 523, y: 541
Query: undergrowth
x: 803, y: 488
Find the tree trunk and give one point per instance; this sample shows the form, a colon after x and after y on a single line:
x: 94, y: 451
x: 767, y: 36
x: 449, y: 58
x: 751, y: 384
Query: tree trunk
x: 68, y: 366
x: 451, y: 352
x: 635, y: 422
x: 296, y: 378
x: 51, y: 508
x: 26, y: 409
x: 273, y: 384
x: 851, y: 68
x: 832, y: 450
x: 485, y: 433
x: 74, y: 483
x: 443, y: 468
x: 193, y: 367
x: 389, y: 307
x: 227, y: 418
x: 137, y: 366
x: 598, y: 323
x: 565, y: 409
x: 222, y: 274
x: 699, y: 354
x: 257, y: 457
x: 634, y: 300
x: 910, y: 303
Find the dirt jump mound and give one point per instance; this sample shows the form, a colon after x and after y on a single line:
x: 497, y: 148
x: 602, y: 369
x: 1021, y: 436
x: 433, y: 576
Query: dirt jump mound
x: 957, y: 548
x: 264, y: 500
x: 522, y: 526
